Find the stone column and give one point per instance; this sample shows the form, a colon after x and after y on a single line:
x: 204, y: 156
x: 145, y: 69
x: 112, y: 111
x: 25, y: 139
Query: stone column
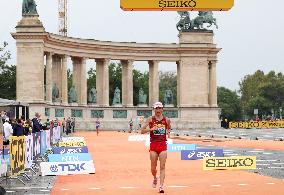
x: 153, y: 82
x: 102, y: 81
x: 48, y: 78
x: 76, y: 77
x: 64, y: 82
x: 83, y: 92
x: 178, y: 83
x: 57, y: 72
x: 127, y: 82
x: 212, y: 84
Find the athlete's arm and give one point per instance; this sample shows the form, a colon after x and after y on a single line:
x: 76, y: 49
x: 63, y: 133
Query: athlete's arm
x: 145, y: 125
x: 169, y: 127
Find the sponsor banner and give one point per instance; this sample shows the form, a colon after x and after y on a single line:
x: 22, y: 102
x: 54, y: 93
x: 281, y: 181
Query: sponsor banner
x: 43, y: 146
x: 231, y: 162
x: 47, y: 137
x: 29, y: 151
x: 69, y: 157
x: 73, y: 139
x: 36, y: 145
x: 138, y: 138
x: 69, y: 150
x: 147, y: 142
x: 17, y: 154
x: 6, y: 159
x: 72, y: 144
x: 56, y: 134
x: 256, y: 124
x: 51, y: 137
x: 180, y: 147
x: 6, y: 152
x: 201, y: 153
x: 3, y: 168
x: 67, y: 168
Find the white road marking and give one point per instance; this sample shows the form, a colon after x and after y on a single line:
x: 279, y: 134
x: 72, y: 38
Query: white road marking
x: 64, y: 189
x: 278, y: 163
x: 270, y: 183
x: 242, y: 184
x: 29, y: 188
x: 177, y: 186
x: 276, y: 167
x: 254, y: 151
x: 94, y: 188
x: 258, y: 149
x: 44, y: 190
x: 267, y: 153
x: 10, y: 191
x: 215, y: 185
x: 127, y: 187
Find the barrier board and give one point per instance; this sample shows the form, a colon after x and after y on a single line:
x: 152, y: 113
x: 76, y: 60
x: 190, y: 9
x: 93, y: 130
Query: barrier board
x: 231, y: 162
x: 17, y: 154
x: 72, y: 144
x: 29, y: 151
x: 36, y: 145
x: 73, y: 139
x: 69, y: 157
x: 201, y: 153
x: 180, y: 147
x: 67, y: 168
x: 69, y: 150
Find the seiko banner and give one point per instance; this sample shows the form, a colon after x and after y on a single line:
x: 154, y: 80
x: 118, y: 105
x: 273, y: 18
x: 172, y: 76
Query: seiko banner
x: 138, y: 138
x: 201, y: 153
x: 72, y: 144
x: 36, y: 145
x: 233, y: 162
x: 69, y: 150
x: 180, y: 147
x: 69, y: 157
x: 67, y: 168
x: 73, y: 139
x: 17, y: 154
x: 29, y: 151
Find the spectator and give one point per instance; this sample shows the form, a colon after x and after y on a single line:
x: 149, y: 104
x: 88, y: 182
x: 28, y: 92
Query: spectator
x: 73, y: 124
x: 27, y: 127
x: 8, y: 131
x: 18, y: 129
x: 130, y: 125
x: 36, y: 123
x: 63, y: 125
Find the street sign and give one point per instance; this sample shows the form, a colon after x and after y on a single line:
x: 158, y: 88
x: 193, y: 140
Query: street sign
x: 176, y: 5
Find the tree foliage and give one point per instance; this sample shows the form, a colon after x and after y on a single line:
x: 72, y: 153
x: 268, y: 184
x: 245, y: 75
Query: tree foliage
x: 7, y: 75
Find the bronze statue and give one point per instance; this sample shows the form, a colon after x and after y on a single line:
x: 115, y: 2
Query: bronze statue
x: 29, y: 7
x: 92, y: 96
x: 116, y: 96
x: 142, y: 97
x: 72, y: 95
x: 55, y: 93
x: 168, y: 98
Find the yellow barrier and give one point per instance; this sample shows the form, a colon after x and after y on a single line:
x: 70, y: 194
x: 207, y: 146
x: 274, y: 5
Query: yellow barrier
x: 72, y: 144
x: 17, y: 154
x: 256, y: 124
x: 230, y: 163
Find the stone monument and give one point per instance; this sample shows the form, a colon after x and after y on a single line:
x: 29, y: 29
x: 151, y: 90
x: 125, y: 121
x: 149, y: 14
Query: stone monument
x: 116, y: 97
x: 142, y: 98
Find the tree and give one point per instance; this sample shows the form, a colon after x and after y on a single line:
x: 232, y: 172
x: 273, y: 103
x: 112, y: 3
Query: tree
x: 7, y: 75
x: 230, y: 103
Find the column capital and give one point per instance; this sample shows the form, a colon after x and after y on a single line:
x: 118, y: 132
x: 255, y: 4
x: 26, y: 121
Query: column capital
x: 129, y: 61
x: 102, y: 60
x: 153, y: 62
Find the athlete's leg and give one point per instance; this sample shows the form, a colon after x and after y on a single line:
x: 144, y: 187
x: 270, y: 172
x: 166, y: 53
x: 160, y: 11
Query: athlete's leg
x: 162, y: 158
x: 154, y: 159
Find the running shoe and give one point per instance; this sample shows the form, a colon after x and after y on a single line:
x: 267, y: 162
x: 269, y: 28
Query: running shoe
x: 155, y: 181
x: 161, y: 189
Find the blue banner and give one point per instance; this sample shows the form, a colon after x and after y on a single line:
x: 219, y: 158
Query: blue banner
x: 6, y: 158
x: 69, y: 157
x: 6, y: 152
x: 180, y: 147
x: 70, y: 150
x: 201, y: 153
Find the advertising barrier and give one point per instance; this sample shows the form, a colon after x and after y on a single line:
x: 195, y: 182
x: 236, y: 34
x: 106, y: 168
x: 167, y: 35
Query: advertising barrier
x: 66, y: 168
x: 29, y: 151
x: 36, y: 145
x: 3, y: 167
x: 72, y: 144
x: 17, y: 154
x: 256, y: 124
x: 73, y: 139
x: 201, y: 153
x: 231, y: 163
x: 69, y: 150
x: 180, y: 147
x: 47, y: 138
x: 69, y: 157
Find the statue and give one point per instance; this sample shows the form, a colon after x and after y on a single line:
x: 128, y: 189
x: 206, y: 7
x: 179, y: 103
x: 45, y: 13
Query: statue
x: 29, y: 7
x: 55, y: 93
x: 116, y: 96
x: 93, y: 96
x: 168, y: 98
x: 142, y: 97
x: 72, y: 95
x: 197, y: 23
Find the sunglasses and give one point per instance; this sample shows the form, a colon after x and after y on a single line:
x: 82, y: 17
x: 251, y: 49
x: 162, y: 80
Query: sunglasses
x: 159, y: 108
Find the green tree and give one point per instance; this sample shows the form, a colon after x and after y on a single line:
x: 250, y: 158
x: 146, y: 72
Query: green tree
x: 230, y: 103
x: 7, y: 75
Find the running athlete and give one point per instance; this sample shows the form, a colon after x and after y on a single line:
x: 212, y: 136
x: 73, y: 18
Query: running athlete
x: 159, y: 129
x: 98, y: 124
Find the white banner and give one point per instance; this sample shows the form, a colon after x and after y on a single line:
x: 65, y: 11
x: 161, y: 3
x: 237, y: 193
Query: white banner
x: 56, y: 134
x: 67, y: 168
x: 48, y: 146
x: 29, y: 151
x: 3, y: 168
x: 73, y: 139
x: 138, y: 138
x: 147, y: 142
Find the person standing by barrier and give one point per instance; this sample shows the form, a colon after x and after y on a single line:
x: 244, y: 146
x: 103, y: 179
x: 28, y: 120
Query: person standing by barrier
x: 8, y: 131
x: 63, y: 125
x: 130, y: 125
x: 68, y: 126
x: 27, y: 127
x: 36, y: 123
x: 159, y: 129
x: 98, y: 124
x: 18, y: 129
x: 73, y: 124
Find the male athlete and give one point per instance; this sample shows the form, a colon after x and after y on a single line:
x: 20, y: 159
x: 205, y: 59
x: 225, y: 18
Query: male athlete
x: 159, y: 129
